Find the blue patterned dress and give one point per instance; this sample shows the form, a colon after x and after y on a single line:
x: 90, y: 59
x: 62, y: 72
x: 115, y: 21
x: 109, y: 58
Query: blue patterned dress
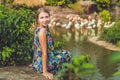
x: 56, y: 58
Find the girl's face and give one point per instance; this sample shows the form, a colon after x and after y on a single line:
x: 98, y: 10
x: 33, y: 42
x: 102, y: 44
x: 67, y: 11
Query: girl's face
x: 43, y: 19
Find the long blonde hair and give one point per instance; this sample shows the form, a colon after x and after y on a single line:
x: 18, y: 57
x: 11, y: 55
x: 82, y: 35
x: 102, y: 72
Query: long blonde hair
x: 35, y: 25
x: 43, y: 9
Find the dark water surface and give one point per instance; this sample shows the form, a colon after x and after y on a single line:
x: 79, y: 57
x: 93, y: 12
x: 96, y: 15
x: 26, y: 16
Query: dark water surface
x: 78, y: 44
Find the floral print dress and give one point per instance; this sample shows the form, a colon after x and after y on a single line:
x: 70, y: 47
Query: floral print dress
x: 56, y: 58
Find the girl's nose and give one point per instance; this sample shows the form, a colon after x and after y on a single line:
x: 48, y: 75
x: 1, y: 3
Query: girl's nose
x: 46, y: 19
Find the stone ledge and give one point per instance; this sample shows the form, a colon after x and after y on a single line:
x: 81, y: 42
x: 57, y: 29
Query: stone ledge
x: 104, y: 44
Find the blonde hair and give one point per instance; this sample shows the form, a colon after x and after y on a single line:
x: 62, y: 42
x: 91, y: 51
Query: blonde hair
x: 34, y: 25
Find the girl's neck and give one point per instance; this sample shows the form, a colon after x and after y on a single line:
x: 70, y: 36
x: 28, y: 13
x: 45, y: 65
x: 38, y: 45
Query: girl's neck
x: 42, y: 26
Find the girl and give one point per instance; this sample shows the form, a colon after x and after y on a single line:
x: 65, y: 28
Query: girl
x: 46, y: 59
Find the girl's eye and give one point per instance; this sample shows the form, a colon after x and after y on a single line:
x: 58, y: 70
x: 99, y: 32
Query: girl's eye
x: 41, y: 17
x: 44, y: 17
x: 47, y: 17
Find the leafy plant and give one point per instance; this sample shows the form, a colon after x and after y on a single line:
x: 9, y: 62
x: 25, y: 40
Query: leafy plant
x: 112, y: 34
x: 102, y: 4
x: 60, y: 2
x: 58, y: 45
x: 115, y: 58
x: 5, y: 56
x: 105, y: 15
x: 118, y: 43
x: 76, y: 7
x: 6, y: 1
x: 118, y: 2
x: 15, y: 38
x: 80, y: 67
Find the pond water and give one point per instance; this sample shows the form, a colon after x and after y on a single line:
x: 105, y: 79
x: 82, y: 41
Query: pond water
x: 78, y: 44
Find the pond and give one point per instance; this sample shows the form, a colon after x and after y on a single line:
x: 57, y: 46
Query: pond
x: 78, y: 44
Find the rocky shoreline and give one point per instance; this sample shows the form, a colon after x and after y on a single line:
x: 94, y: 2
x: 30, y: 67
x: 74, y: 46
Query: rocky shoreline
x: 104, y: 44
x: 19, y: 73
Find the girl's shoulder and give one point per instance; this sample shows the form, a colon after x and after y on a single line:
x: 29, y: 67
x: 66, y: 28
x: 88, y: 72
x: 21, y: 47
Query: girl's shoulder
x: 40, y: 29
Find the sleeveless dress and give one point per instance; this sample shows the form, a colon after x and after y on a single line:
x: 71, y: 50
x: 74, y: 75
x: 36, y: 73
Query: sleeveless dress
x: 56, y: 58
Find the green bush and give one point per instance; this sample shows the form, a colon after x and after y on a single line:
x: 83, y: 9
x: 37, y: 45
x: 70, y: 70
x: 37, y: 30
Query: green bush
x: 118, y: 43
x: 15, y: 37
x: 6, y: 2
x: 105, y: 15
x: 102, y: 4
x: 118, y: 3
x: 80, y: 67
x: 112, y: 34
x: 77, y: 7
x: 113, y: 59
x: 60, y: 2
x: 58, y: 45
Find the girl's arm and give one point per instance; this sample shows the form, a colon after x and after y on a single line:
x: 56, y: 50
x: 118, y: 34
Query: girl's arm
x: 43, y: 43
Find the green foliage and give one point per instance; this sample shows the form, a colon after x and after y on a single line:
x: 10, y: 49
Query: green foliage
x: 105, y: 15
x: 9, y: 1
x: 102, y: 4
x: 22, y: 6
x: 80, y: 67
x: 52, y: 2
x: 118, y: 2
x: 112, y: 34
x: 16, y: 39
x: 59, y: 2
x: 118, y: 43
x: 58, y: 45
x: 6, y: 1
x: 115, y: 58
x: 116, y: 73
x: 5, y: 56
x: 76, y: 7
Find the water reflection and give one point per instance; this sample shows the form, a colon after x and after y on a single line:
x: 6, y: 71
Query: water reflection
x: 77, y: 44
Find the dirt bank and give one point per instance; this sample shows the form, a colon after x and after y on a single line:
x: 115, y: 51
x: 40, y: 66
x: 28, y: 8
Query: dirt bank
x: 19, y: 73
x: 104, y: 44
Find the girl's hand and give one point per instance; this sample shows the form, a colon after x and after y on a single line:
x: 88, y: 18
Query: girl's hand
x: 48, y: 75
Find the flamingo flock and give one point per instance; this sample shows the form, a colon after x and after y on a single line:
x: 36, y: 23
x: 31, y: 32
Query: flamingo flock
x: 79, y: 24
